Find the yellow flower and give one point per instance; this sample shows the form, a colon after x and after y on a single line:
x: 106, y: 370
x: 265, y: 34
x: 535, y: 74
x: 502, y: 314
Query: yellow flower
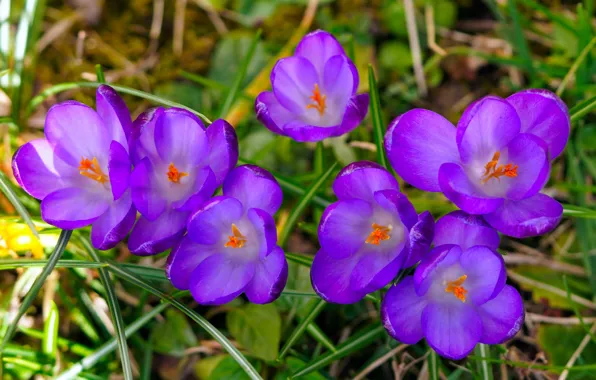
x: 17, y: 237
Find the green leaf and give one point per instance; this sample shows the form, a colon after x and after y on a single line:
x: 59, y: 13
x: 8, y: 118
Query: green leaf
x: 342, y: 151
x: 576, y: 65
x: 228, y: 369
x: 299, y: 330
x: 184, y: 93
x: 50, y: 331
x: 377, y: 117
x: 519, y: 40
x: 484, y: 367
x: 560, y: 342
x: 257, y: 328
x: 25, y: 263
x: 582, y: 109
x: 204, y: 367
x: 292, y: 365
x: 174, y: 335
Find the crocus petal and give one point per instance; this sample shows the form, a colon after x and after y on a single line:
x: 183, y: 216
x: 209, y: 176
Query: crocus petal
x: 293, y: 81
x: 142, y: 141
x: 361, y: 179
x: 417, y: 144
x: 543, y: 114
x: 532, y: 216
x: 271, y: 275
x: 184, y: 259
x: 331, y: 278
x: 354, y: 114
x: 338, y: 82
x: 398, y: 205
x: 223, y: 149
x: 271, y: 113
x: 219, y: 278
x: 265, y: 229
x: 205, y: 185
x: 436, y: 260
x: 421, y: 237
x: 73, y: 208
x: 318, y: 47
x: 214, y: 220
x: 145, y: 195
x: 344, y: 227
x: 486, y: 127
x: 254, y: 187
x: 119, y: 169
x: 39, y: 171
x: 377, y: 266
x: 401, y: 312
x: 452, y: 330
x: 457, y: 187
x: 502, y: 317
x: 75, y: 131
x: 528, y: 153
x: 114, y: 224
x: 180, y: 138
x: 465, y: 230
x: 153, y: 237
x: 114, y: 113
x: 485, y: 269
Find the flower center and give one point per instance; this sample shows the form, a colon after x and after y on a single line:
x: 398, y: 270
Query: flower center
x: 378, y: 234
x: 457, y: 289
x: 494, y: 170
x: 90, y: 169
x: 174, y: 175
x: 318, y: 100
x: 236, y: 240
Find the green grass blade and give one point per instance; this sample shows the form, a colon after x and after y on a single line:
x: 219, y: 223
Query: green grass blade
x: 580, y: 59
x: 318, y: 162
x: 519, y: 40
x: 578, y: 212
x: 65, y: 344
x: 110, y: 345
x: 582, y: 109
x: 50, y: 332
x: 562, y: 21
x: 123, y: 89
x: 301, y: 206
x: 300, y: 259
x: 212, y: 84
x: 14, y: 200
x: 114, y: 307
x: 377, y: 117
x: 299, y: 330
x: 25, y: 263
x: 233, y: 93
x: 576, y: 309
x: 211, y: 330
x: 147, y: 358
x: 433, y: 365
x: 316, y: 332
x: 351, y: 345
x: 101, y: 78
x: 485, y: 369
x: 36, y: 287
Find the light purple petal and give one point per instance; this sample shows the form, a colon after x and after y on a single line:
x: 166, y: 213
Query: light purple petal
x: 223, y: 149
x: 153, y: 237
x: 361, y: 180
x: 318, y: 47
x: 271, y: 113
x: 417, y: 144
x: 344, y: 227
x: 255, y: 187
x: 485, y: 269
x: 39, y: 171
x: 293, y: 81
x: 119, y: 168
x: 180, y: 139
x: 270, y: 278
x: 377, y: 267
x: 502, y: 317
x: 339, y: 83
x: 532, y: 216
x: 220, y: 278
x: 73, y: 208
x: 457, y: 187
x: 421, y: 237
x: 76, y: 131
x: 142, y: 141
x: 527, y: 152
x: 486, y: 127
x: 543, y: 114
x: 184, y: 259
x: 214, y: 220
x: 114, y: 113
x: 401, y: 312
x: 331, y: 278
x: 465, y: 230
x: 265, y: 229
x: 204, y: 186
x: 452, y: 330
x: 146, y: 197
x: 437, y: 260
x: 398, y: 205
x: 114, y: 224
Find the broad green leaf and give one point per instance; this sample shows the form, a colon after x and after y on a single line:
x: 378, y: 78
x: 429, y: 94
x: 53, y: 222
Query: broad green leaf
x: 228, y: 369
x: 560, y: 342
x: 181, y: 92
x: 205, y: 367
x: 174, y: 335
x: 257, y: 328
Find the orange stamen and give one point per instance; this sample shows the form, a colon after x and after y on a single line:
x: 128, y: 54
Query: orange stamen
x: 236, y: 240
x: 457, y: 289
x: 494, y: 170
x: 91, y: 169
x: 174, y: 175
x: 318, y: 100
x: 378, y: 234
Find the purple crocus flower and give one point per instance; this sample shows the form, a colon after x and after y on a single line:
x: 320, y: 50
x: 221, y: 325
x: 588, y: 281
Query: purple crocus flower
x: 494, y: 164
x: 368, y: 235
x: 80, y: 171
x: 231, y: 245
x: 314, y: 92
x: 457, y: 296
x: 178, y: 166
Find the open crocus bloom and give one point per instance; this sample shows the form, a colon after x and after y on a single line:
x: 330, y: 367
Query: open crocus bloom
x: 80, y: 171
x: 457, y: 296
x: 368, y: 235
x: 178, y: 166
x: 494, y: 164
x: 231, y: 245
x: 314, y: 92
